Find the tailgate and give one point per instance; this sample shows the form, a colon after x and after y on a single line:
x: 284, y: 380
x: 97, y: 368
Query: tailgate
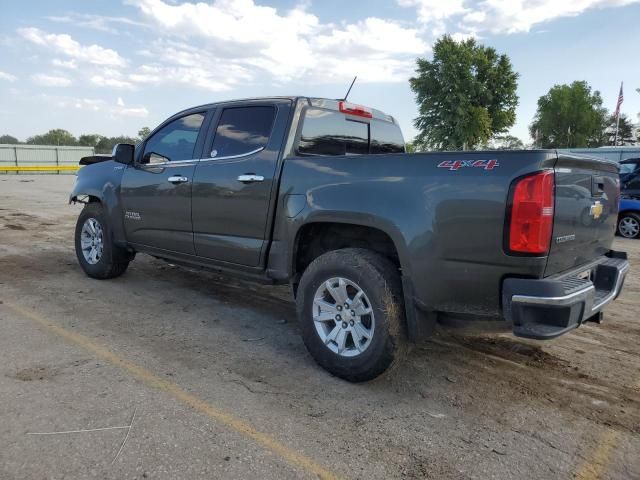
x: 586, y: 211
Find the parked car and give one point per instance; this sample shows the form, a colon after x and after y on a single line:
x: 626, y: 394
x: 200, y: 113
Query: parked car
x: 629, y: 217
x: 378, y: 245
x: 630, y: 177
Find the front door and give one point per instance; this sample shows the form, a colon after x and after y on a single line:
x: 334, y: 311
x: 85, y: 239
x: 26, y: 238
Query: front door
x: 156, y: 190
x: 233, y: 186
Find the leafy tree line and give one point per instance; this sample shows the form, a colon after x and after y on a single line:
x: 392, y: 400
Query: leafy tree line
x: 58, y: 136
x: 467, y: 98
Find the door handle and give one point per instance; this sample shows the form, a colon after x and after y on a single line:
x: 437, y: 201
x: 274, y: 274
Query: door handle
x: 250, y: 178
x: 178, y: 179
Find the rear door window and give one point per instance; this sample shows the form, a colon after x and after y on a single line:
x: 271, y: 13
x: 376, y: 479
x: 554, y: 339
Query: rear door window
x: 329, y: 133
x: 242, y: 130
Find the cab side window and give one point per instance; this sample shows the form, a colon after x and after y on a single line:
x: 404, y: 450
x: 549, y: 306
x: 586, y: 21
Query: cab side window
x: 242, y: 130
x: 175, y: 141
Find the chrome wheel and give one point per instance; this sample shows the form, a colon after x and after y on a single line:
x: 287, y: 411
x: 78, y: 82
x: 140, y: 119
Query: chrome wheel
x: 92, y: 241
x: 343, y: 317
x: 629, y: 227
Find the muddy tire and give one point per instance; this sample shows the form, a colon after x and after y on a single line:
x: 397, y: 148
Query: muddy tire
x: 351, y: 313
x: 95, y: 250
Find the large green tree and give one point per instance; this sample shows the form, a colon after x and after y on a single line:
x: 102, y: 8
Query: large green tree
x: 8, y: 139
x: 570, y: 116
x: 466, y: 94
x: 143, y: 133
x: 57, y: 136
x: 503, y: 142
x: 106, y: 144
x: 89, y: 139
x: 625, y: 131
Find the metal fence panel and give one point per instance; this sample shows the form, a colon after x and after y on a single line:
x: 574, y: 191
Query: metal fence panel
x: 48, y: 156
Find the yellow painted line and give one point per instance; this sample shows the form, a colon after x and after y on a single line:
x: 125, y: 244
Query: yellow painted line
x: 150, y: 379
x: 40, y: 168
x: 596, y: 466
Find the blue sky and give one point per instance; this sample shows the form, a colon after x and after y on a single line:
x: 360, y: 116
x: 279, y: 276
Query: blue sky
x: 112, y: 67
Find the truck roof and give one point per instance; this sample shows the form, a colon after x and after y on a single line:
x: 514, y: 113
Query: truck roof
x: 327, y: 103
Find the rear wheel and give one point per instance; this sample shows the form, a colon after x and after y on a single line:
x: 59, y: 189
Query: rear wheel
x: 629, y: 225
x: 351, y: 313
x: 98, y: 256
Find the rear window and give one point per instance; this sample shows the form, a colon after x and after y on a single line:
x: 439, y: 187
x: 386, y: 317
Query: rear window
x: 326, y: 132
x: 386, y: 137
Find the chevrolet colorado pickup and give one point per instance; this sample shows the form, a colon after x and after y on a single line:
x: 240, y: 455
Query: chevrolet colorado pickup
x: 378, y: 245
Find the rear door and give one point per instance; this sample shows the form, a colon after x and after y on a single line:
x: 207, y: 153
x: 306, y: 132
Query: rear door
x: 234, y: 184
x: 586, y: 209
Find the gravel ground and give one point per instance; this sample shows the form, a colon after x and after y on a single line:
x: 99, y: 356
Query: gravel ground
x: 222, y: 387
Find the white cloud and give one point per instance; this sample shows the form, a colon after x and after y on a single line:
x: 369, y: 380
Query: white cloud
x: 71, y: 64
x: 294, y: 44
x: 504, y: 16
x: 47, y: 80
x: 7, y: 76
x: 65, y: 45
x: 218, y: 45
x: 98, y: 105
x: 512, y: 16
x: 95, y: 22
x: 110, y: 77
x: 430, y: 10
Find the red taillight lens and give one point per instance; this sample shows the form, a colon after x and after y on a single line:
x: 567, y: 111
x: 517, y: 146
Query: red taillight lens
x: 532, y: 214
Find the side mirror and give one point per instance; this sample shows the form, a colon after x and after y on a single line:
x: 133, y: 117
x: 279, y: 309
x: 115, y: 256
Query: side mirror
x: 123, y: 153
x: 153, y: 158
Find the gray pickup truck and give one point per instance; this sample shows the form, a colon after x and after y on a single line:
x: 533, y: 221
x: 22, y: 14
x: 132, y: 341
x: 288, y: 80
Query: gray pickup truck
x: 378, y: 245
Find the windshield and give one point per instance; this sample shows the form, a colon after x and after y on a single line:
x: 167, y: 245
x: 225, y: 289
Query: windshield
x: 626, y: 168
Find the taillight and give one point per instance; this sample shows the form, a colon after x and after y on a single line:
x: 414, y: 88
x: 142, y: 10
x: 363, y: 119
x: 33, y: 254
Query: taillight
x: 357, y: 110
x: 531, y: 221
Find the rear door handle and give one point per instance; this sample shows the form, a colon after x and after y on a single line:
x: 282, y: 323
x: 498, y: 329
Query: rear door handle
x: 178, y: 179
x: 250, y: 178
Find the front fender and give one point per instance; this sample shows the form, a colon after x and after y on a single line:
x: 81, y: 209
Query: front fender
x: 101, y: 182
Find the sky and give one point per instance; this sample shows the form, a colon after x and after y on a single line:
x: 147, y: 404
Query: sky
x: 115, y: 66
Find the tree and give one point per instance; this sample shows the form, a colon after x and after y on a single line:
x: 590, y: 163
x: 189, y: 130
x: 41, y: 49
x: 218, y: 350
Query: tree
x: 143, y: 133
x: 504, y: 142
x: 625, y: 131
x: 56, y: 136
x: 466, y: 94
x: 106, y: 144
x: 570, y: 116
x: 8, y: 139
x: 410, y: 147
x: 89, y: 139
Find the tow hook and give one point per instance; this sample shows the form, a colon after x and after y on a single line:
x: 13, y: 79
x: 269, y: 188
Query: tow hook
x: 597, y: 318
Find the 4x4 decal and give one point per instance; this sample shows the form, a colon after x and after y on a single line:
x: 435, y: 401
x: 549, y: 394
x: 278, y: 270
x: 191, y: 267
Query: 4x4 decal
x: 458, y: 164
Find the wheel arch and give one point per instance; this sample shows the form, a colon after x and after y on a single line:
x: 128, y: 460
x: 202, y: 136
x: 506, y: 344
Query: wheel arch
x: 314, y: 238
x: 319, y: 236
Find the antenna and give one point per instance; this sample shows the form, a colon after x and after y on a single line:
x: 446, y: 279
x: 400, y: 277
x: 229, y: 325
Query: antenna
x: 350, y: 87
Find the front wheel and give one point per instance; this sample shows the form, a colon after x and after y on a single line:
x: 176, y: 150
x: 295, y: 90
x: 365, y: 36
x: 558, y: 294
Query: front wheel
x: 629, y: 225
x: 351, y: 313
x: 98, y: 256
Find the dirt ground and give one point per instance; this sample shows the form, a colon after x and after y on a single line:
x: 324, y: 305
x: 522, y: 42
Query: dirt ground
x: 211, y: 379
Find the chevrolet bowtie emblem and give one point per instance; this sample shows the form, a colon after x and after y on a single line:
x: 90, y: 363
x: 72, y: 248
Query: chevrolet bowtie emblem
x: 596, y: 210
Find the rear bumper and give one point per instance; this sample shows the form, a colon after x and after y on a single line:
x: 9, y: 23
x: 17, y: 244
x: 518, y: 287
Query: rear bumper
x: 546, y: 308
